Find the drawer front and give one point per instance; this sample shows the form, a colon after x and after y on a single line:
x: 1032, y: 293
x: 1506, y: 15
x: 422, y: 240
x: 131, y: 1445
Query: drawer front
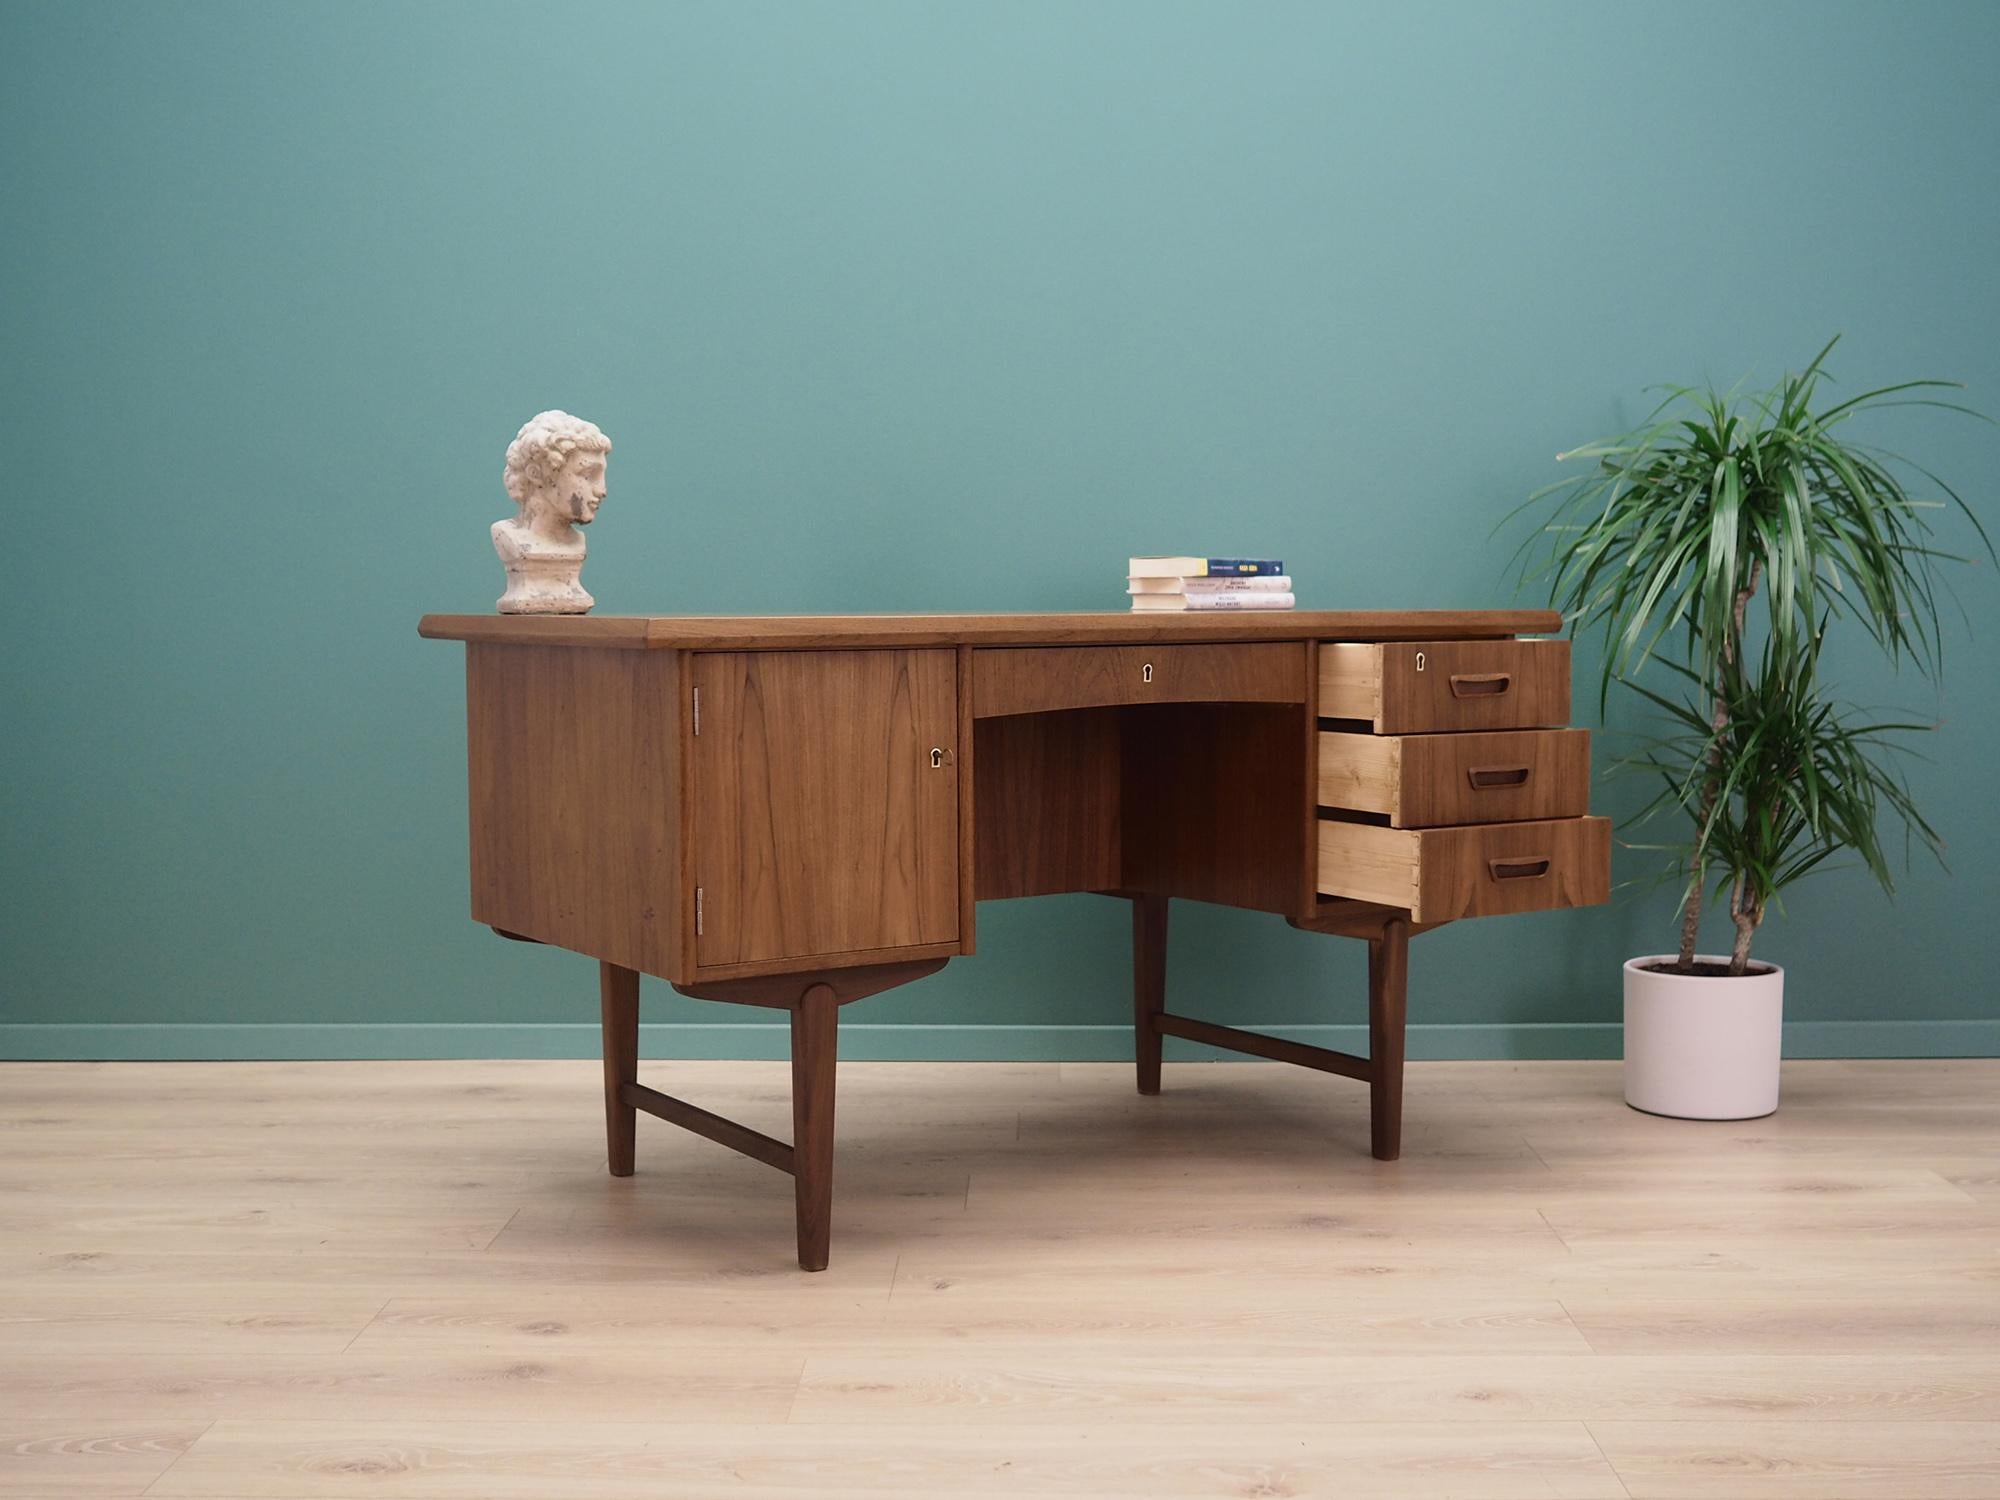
x: 1043, y: 679
x: 1424, y: 687
x: 1425, y: 780
x: 1491, y: 869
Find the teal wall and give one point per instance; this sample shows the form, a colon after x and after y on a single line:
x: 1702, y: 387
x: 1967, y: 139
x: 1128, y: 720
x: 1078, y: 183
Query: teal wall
x: 927, y: 306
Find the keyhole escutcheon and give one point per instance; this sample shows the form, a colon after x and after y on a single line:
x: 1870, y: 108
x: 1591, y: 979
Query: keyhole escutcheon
x: 1146, y: 672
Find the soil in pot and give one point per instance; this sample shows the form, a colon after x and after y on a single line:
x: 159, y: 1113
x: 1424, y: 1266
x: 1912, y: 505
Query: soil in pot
x: 1705, y: 970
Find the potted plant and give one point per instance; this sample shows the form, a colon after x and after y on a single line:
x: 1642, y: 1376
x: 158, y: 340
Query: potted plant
x: 1715, y: 546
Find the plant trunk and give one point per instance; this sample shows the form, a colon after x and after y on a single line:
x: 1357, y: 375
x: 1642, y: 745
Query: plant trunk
x: 1691, y: 906
x: 1711, y: 787
x: 1747, y: 919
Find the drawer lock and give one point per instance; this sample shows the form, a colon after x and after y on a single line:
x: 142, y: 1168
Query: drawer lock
x: 1146, y: 672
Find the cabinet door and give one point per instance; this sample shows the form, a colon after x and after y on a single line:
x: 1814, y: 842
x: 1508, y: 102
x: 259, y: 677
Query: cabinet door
x: 821, y: 824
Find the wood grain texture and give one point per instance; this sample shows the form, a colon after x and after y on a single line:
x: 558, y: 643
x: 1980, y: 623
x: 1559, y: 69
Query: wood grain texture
x: 821, y: 826
x: 1043, y: 679
x: 997, y: 1389
x: 834, y: 632
x: 561, y: 1380
x: 1211, y: 796
x: 815, y: 1055
x: 1278, y: 1049
x: 618, y: 1003
x: 1434, y: 686
x: 574, y: 815
x: 658, y: 1461
x: 1349, y: 682
x: 724, y: 1131
x: 968, y: 801
x: 711, y: 977
x: 1388, y: 1006
x: 1372, y: 863
x: 1149, y: 986
x: 1306, y: 898
x: 782, y: 991
x: 88, y: 1457
x: 1365, y: 920
x: 240, y: 1280
x: 1430, y: 780
x: 1443, y: 874
x: 1858, y: 1460
x: 1200, y: 801
x: 1361, y: 772
x: 262, y: 1320
x: 1046, y: 818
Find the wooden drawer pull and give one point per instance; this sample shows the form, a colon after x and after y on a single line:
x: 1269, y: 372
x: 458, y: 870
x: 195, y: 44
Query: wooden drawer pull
x: 1480, y: 684
x: 1523, y: 867
x: 1484, y: 778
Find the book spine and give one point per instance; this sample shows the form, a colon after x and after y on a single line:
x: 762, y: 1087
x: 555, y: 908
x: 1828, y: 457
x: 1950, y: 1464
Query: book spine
x: 1239, y: 599
x: 1279, y: 583
x: 1276, y: 583
x: 1244, y: 567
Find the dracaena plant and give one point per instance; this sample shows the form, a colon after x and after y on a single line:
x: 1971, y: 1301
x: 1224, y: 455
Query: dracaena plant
x: 1720, y: 541
x: 1776, y: 780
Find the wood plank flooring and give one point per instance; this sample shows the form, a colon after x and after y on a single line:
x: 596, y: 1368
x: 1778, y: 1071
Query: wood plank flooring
x: 416, y: 1280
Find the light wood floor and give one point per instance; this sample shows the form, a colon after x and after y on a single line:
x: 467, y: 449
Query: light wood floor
x: 415, y: 1279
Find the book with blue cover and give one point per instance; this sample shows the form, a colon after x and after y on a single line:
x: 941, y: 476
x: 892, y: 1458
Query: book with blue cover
x: 1204, y: 567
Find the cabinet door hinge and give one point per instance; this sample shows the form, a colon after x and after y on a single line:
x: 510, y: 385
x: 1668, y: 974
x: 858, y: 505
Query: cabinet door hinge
x: 697, y: 911
x: 697, y: 713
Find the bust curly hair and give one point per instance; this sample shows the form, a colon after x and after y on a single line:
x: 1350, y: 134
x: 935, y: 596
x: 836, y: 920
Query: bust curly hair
x: 542, y: 446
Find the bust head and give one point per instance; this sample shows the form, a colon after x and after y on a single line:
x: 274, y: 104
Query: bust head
x: 555, y: 472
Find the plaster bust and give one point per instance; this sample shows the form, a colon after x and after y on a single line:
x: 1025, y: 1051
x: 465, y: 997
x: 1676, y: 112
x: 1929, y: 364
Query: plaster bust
x: 555, y: 474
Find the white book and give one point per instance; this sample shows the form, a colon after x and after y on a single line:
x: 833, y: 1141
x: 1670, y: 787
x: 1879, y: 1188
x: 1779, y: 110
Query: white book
x: 1276, y: 584
x: 1215, y: 599
x: 1203, y: 567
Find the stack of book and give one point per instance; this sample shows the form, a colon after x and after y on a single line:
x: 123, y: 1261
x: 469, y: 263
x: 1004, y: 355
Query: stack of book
x: 1209, y: 583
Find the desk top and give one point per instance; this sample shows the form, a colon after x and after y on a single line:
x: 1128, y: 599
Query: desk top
x: 819, y: 632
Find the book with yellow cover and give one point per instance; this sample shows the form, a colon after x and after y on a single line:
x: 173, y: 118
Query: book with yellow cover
x: 1203, y: 567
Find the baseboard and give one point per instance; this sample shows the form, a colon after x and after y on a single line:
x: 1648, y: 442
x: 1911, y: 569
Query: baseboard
x: 861, y: 1042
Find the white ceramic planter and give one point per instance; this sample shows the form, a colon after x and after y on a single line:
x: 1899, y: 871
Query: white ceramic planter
x: 1702, y: 1048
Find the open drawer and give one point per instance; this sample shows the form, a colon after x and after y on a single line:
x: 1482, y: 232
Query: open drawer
x: 1488, y: 869
x: 1427, y: 687
x: 1426, y: 780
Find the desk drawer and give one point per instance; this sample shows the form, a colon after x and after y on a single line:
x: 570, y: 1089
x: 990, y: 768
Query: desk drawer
x: 1439, y: 874
x: 1042, y: 679
x: 1424, y: 780
x: 1421, y: 687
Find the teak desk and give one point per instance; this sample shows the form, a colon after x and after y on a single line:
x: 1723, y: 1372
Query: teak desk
x: 799, y: 812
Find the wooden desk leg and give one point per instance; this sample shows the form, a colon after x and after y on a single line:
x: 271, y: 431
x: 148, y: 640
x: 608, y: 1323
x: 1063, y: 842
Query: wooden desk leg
x: 618, y: 989
x: 1388, y: 1003
x: 815, y: 1047
x: 1149, y: 985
